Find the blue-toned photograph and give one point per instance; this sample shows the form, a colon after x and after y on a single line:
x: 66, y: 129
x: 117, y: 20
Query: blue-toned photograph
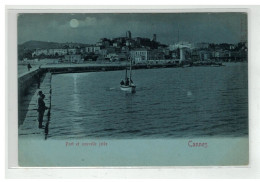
x: 132, y: 89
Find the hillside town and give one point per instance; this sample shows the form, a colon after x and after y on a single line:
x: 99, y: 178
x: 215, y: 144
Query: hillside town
x: 140, y: 50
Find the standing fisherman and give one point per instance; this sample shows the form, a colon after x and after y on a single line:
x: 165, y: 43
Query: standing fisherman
x: 41, y: 108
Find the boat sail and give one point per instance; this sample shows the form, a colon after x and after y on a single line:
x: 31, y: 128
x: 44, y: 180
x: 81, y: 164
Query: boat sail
x: 128, y: 84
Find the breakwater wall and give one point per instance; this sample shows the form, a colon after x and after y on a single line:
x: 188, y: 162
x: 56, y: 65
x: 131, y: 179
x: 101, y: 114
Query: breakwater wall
x: 29, y: 124
x: 95, y: 68
x: 27, y: 85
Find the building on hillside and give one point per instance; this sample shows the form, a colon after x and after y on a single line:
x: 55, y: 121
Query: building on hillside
x: 165, y: 50
x: 116, y: 44
x: 221, y: 54
x: 73, y: 58
x: 103, y: 52
x: 125, y: 49
x: 58, y: 52
x: 39, y: 52
x: 195, y: 55
x: 82, y: 50
x: 92, y: 49
x: 205, y: 55
x: 107, y: 50
x: 139, y: 55
x: 122, y: 57
x: 156, y: 55
x: 174, y: 55
x: 104, y: 42
x: 142, y: 55
x: 184, y: 54
x: 96, y: 49
x: 72, y: 51
x: 112, y: 56
x: 89, y: 49
x: 179, y: 45
x: 120, y: 40
x: 50, y: 52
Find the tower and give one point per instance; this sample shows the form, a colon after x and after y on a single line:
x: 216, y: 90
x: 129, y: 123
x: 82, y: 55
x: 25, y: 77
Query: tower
x: 154, y: 37
x: 128, y: 35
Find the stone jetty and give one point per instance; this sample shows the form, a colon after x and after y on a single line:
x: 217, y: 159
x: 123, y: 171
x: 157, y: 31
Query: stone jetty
x: 30, y: 123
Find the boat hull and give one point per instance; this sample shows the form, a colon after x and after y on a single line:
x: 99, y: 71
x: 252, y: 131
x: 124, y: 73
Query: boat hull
x: 129, y: 88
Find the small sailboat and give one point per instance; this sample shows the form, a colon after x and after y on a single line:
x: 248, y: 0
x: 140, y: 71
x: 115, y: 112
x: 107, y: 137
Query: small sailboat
x: 128, y: 84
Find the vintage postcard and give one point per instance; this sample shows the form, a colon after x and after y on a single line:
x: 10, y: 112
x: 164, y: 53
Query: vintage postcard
x: 132, y: 89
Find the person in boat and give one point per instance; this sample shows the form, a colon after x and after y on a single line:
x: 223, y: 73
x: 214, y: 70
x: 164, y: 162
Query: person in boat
x: 127, y: 81
x: 131, y: 81
x: 122, y: 82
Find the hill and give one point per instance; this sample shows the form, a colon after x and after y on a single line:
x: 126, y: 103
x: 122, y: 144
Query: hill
x: 33, y: 44
x: 26, y: 49
x: 38, y: 45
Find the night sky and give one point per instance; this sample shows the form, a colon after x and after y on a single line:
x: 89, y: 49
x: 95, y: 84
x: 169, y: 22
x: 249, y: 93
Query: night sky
x: 89, y: 28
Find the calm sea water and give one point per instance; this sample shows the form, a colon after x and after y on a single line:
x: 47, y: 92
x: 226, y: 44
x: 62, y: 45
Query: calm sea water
x: 168, y: 103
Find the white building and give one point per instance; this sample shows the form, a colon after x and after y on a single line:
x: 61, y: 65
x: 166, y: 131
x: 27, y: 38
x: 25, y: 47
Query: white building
x: 50, y: 52
x: 180, y: 45
x: 39, y: 52
x: 73, y: 58
x: 205, y: 55
x: 143, y: 55
x: 116, y: 44
x: 59, y: 52
x: 139, y: 55
x: 184, y: 54
x: 72, y: 51
x: 92, y: 49
x: 89, y: 49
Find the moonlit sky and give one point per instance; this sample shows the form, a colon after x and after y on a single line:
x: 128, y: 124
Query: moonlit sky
x: 89, y: 28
